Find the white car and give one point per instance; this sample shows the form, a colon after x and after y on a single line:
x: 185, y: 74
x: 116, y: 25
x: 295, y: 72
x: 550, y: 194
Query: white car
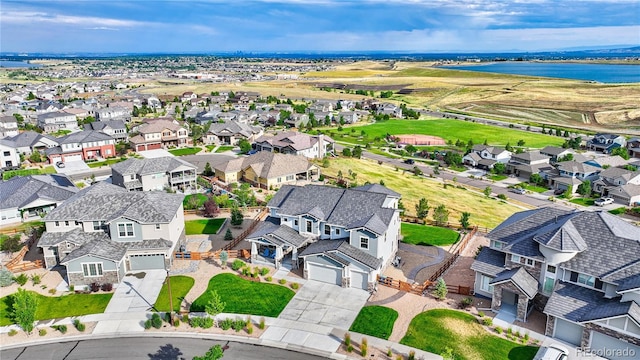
x: 552, y: 352
x: 518, y: 190
x: 603, y: 201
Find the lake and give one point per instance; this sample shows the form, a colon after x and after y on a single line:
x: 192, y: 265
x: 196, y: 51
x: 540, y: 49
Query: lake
x: 17, y: 64
x: 604, y: 73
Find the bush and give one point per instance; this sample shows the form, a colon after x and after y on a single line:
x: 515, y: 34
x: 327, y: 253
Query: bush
x: 526, y: 337
x: 261, y: 323
x: 282, y: 281
x: 412, y: 355
x: 94, y: 287
x: 517, y: 334
x: 207, y: 323
x: 264, y: 271
x: 499, y: 330
x: 147, y: 325
x: 52, y: 291
x: 268, y: 278
x: 156, y: 321
x: 6, y: 278
x: 502, y: 196
x: 389, y: 352
x: 481, y: 314
x: 295, y: 286
x: 61, y: 328
x: 246, y: 271
x: 237, y: 264
x: 249, y: 327
x: 466, y: 302
x: 35, y: 279
x: 176, y: 322
x: 349, y: 348
x: 12, y: 332
x: 226, y: 324
x: 42, y: 332
x: 203, y: 322
x: 238, y: 325
x: 78, y: 325
x: 487, y: 321
x: 185, y: 318
x: 509, y: 331
x: 21, y: 279
x: 107, y: 287
x: 364, y: 346
x: 347, y: 339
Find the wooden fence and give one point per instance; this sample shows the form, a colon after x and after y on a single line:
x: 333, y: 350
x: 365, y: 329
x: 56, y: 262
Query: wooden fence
x: 256, y: 220
x: 449, y: 224
x: 458, y: 289
x: 17, y: 265
x: 194, y: 255
x: 414, y: 288
x: 458, y: 248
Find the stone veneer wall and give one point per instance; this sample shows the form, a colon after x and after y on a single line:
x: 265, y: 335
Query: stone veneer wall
x: 586, y: 335
x: 496, y: 300
x: 108, y: 277
x: 551, y: 323
x: 346, y: 282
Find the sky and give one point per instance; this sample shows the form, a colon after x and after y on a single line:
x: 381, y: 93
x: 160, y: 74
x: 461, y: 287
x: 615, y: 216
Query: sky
x: 418, y: 26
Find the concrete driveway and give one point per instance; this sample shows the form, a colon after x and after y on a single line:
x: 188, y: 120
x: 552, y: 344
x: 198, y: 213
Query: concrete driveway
x: 72, y: 167
x: 138, y: 291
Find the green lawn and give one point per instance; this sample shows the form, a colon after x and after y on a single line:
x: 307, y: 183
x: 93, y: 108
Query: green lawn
x: 224, y: 148
x: 108, y: 162
x: 210, y: 147
x: 427, y: 235
x: 26, y: 172
x: 534, y: 188
x: 497, y: 177
x: 246, y: 297
x: 180, y: 286
x: 453, y: 130
x: 435, y: 330
x: 203, y: 226
x: 53, y: 307
x: 618, y: 211
x: 185, y: 151
x: 201, y: 198
x: 583, y: 201
x: 375, y: 321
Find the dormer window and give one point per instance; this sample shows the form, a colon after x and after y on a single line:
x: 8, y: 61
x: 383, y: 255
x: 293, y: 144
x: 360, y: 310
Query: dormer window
x: 587, y: 280
x: 496, y: 244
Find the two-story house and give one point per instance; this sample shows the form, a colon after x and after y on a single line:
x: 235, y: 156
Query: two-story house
x: 82, y: 146
x: 155, y: 174
x: 527, y: 163
x: 484, y: 156
x: 341, y: 236
x: 633, y: 146
x: 571, y: 174
x: 555, y: 153
x: 114, y: 113
x: 580, y: 268
x: 291, y: 142
x: 104, y: 231
x: 29, y: 141
x: 231, y: 132
x: 8, y: 126
x: 9, y: 156
x: 613, y: 177
x: 57, y: 120
x: 605, y: 143
x: 297, y: 120
x: 159, y: 134
x: 114, y: 128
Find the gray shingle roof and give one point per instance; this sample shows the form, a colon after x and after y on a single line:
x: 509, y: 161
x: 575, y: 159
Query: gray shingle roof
x: 104, y: 248
x: 150, y: 166
x: 150, y: 244
x: 84, y: 136
x: 20, y: 191
x: 608, y: 310
x: 29, y: 138
x: 278, y: 234
x: 342, y: 247
x: 75, y: 236
x: 521, y: 278
x: 268, y: 165
x: 489, y: 262
x: 377, y: 188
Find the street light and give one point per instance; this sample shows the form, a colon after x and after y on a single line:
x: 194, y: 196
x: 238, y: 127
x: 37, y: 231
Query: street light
x: 170, y: 298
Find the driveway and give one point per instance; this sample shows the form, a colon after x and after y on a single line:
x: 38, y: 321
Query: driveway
x: 138, y: 291
x: 72, y: 167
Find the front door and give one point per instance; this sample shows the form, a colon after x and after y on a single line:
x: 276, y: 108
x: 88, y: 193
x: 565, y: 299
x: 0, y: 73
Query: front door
x: 509, y: 301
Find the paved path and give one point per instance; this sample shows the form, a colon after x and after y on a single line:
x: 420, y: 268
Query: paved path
x: 137, y: 292
x: 435, y: 259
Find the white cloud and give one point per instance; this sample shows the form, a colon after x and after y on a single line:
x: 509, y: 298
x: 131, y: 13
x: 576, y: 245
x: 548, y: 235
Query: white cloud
x: 31, y: 17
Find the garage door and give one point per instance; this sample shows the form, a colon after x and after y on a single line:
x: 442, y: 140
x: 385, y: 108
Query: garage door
x: 68, y: 158
x: 146, y: 262
x: 325, y: 273
x: 612, y: 348
x: 359, y: 280
x: 568, y: 331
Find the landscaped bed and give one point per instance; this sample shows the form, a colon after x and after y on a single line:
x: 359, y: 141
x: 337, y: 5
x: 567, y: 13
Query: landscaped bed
x: 245, y: 297
x: 428, y: 235
x: 197, y: 199
x: 203, y: 226
x: 439, y: 329
x: 53, y: 307
x: 375, y: 321
x: 185, y: 151
x: 180, y: 286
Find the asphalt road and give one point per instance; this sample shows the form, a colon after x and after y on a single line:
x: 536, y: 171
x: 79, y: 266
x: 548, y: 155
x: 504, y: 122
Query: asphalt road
x: 148, y: 348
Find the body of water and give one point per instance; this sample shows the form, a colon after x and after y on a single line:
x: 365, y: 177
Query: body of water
x: 604, y: 73
x: 17, y: 64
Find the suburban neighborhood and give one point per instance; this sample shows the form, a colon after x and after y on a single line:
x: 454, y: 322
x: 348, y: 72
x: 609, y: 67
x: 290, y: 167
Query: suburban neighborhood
x: 343, y: 227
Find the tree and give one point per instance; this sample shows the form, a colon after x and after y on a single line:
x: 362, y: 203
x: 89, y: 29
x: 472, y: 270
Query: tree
x: 487, y: 191
x: 214, y: 353
x: 35, y: 157
x: 236, y: 217
x: 207, y: 170
x: 453, y: 158
x: 499, y: 168
x: 464, y: 220
x: 245, y: 146
x: 441, y: 290
x: 25, y: 305
x: 346, y: 152
x: 417, y: 171
x: 325, y: 162
x: 441, y: 215
x: 224, y: 257
x: 521, y: 143
x: 584, y: 189
x: 568, y: 157
x: 411, y: 149
x: 622, y: 152
x: 31, y: 96
x: 357, y: 152
x: 569, y: 192
x: 228, y: 236
x: 536, y: 179
x: 508, y: 147
x: 215, y: 305
x: 211, y: 208
x: 422, y: 208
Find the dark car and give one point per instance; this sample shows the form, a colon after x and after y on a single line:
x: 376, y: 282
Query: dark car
x: 409, y: 161
x: 558, y: 192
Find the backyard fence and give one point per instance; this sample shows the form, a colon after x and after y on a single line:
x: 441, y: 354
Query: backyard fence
x: 459, y: 289
x: 194, y: 255
x: 17, y: 265
x: 412, y: 288
x: 256, y: 220
x: 456, y: 250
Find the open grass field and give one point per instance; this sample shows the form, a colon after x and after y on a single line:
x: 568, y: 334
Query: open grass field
x: 427, y: 235
x: 453, y: 130
x: 203, y: 226
x: 246, y: 297
x: 375, y: 321
x: 484, y: 212
x: 436, y: 330
x: 26, y: 172
x: 53, y: 307
x: 180, y: 286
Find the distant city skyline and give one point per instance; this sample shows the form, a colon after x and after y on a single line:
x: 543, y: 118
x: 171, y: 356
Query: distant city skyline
x: 421, y: 26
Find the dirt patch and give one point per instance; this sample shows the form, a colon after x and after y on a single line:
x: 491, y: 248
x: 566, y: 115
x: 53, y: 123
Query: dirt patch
x: 21, y: 337
x: 460, y: 272
x: 416, y: 139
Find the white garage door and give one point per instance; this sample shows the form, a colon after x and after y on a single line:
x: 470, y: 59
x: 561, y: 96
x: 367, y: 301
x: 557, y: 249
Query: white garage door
x: 325, y: 273
x: 568, y: 331
x: 146, y: 261
x: 612, y: 348
x: 73, y: 158
x: 359, y: 280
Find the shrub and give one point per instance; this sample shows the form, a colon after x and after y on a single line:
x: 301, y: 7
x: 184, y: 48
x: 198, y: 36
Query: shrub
x: 36, y: 279
x: 94, y: 287
x: 147, y: 325
x: 268, y: 278
x: 6, y: 278
x: 78, y: 325
x: 282, y: 281
x: 167, y: 317
x: 61, y: 328
x: 42, y: 332
x: 249, y: 327
x: 237, y: 264
x: 71, y: 288
x: 246, y: 271
x: 526, y: 336
x: 264, y: 271
x: 481, y: 314
x: 499, y: 330
x: 226, y: 324
x: 13, y: 332
x: 347, y: 339
x: 156, y: 321
x: 295, y: 286
x: 185, y: 318
x: 176, y: 322
x: 52, y: 291
x: 412, y: 355
x: 502, y: 196
x: 207, y: 323
x: 203, y: 322
x: 466, y: 302
x: 509, y: 331
x: 349, y: 348
x: 21, y: 279
x: 238, y: 325
x: 107, y: 287
x: 389, y: 352
x: 517, y: 334
x: 399, y: 357
x: 487, y: 321
x: 364, y: 345
x: 261, y: 323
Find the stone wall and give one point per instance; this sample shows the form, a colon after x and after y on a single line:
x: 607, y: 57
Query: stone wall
x: 108, y: 277
x: 496, y: 301
x: 586, y: 335
x: 346, y: 282
x: 551, y: 323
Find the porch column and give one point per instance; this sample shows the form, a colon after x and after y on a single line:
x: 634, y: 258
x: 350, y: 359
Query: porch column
x: 294, y: 258
x: 254, y: 250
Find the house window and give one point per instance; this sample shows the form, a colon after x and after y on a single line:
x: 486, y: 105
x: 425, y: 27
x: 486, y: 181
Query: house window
x: 295, y: 222
x: 92, y: 269
x: 586, y: 280
x: 57, y: 223
x: 484, y: 284
x: 364, y: 243
x: 530, y: 262
x: 327, y: 229
x: 125, y: 230
x: 66, y: 223
x: 279, y: 179
x: 337, y: 231
x: 309, y: 226
x: 496, y: 244
x: 289, y: 177
x: 157, y: 226
x: 515, y: 258
x: 551, y: 269
x: 96, y: 225
x: 7, y: 153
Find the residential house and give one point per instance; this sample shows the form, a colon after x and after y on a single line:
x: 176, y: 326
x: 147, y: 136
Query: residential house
x: 26, y: 198
x: 9, y: 156
x: 29, y: 141
x: 187, y: 96
x: 581, y: 268
x: 291, y: 142
x: 527, y: 163
x: 114, y: 128
x: 628, y: 194
x: 605, y: 143
x: 341, y: 236
x: 231, y: 132
x: 349, y: 117
x: 321, y: 106
x: 58, y: 120
x: 104, y: 231
x: 267, y: 170
x: 555, y: 153
x: 155, y: 174
x: 613, y: 177
x: 114, y: 113
x: 79, y: 113
x: 607, y: 161
x: 159, y: 134
x: 486, y: 156
x: 633, y: 145
x: 297, y: 120
x: 82, y: 146
x: 8, y: 126
x: 389, y: 109
x: 571, y: 174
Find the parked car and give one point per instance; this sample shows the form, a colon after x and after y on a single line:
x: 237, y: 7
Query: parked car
x: 603, y: 201
x: 518, y: 190
x: 558, y: 191
x: 60, y: 164
x: 552, y: 352
x: 409, y: 161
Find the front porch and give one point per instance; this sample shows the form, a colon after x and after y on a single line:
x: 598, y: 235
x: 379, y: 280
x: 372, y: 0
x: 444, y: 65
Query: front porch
x: 513, y: 293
